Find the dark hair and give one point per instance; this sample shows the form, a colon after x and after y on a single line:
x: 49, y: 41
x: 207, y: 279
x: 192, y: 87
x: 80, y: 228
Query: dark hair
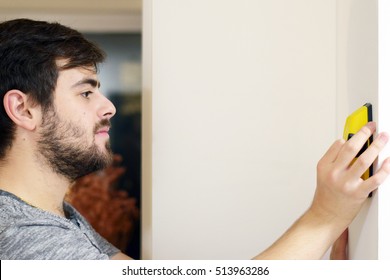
x: 29, y: 51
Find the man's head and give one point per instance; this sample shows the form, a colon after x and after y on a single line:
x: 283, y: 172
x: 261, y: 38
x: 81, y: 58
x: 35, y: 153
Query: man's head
x: 53, y: 68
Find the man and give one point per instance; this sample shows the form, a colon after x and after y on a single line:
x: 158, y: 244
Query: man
x: 54, y: 129
x: 54, y: 125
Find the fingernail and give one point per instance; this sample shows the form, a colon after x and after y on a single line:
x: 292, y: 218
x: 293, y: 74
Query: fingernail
x: 371, y: 125
x: 384, y: 137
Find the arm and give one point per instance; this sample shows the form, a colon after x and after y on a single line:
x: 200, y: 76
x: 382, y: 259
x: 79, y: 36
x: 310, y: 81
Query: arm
x: 120, y: 256
x: 339, y: 196
x: 339, y: 249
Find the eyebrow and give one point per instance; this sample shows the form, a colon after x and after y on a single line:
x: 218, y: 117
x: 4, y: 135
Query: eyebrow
x: 89, y: 81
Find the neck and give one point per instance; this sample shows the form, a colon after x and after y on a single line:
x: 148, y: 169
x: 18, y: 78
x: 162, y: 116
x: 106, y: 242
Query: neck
x: 34, y: 182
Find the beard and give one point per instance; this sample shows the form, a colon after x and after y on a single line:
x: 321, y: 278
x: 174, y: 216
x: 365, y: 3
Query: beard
x: 65, y: 148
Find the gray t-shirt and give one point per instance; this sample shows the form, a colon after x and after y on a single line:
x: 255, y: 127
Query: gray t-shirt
x: 29, y: 233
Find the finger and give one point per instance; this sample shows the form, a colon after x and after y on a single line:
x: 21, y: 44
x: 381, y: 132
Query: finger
x: 333, y: 151
x: 378, y: 178
x: 352, y: 147
x: 365, y: 160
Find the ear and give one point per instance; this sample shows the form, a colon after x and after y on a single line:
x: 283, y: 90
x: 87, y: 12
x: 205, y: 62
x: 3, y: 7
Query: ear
x: 20, y: 111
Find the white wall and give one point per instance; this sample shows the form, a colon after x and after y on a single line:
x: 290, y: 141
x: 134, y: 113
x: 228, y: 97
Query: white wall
x: 357, y: 83
x: 363, y: 65
x: 384, y: 124
x: 239, y: 105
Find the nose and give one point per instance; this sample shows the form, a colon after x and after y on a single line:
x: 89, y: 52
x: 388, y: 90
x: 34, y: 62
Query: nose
x: 107, y: 109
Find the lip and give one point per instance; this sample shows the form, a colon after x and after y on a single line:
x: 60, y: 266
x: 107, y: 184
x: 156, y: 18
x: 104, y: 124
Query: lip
x: 103, y: 130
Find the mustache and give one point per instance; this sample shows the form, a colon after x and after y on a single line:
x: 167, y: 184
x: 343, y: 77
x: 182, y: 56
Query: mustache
x: 101, y: 124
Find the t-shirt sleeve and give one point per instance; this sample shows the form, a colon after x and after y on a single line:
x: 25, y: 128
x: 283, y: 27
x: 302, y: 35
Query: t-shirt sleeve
x: 52, y: 242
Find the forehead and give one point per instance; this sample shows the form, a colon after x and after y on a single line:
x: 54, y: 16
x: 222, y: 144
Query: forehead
x: 75, y: 77
x: 74, y: 73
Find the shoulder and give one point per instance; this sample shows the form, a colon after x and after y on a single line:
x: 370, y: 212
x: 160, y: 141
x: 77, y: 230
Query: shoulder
x: 43, y: 240
x: 12, y: 210
x: 17, y: 214
x: 30, y: 233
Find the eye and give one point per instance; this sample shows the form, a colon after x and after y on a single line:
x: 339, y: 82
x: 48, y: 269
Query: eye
x: 86, y: 94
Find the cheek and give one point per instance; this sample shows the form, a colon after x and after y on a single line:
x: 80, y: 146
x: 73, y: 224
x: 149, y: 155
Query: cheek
x: 82, y: 119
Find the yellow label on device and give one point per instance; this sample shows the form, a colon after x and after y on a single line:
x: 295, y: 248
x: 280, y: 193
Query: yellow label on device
x: 353, y: 124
